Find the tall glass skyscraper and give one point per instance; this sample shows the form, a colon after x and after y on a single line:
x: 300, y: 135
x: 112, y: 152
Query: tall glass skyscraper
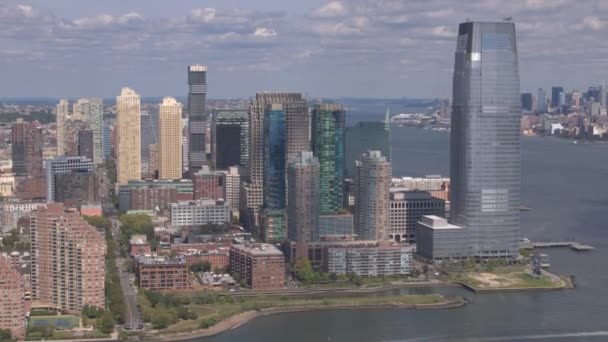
x: 197, y: 126
x: 485, y: 160
x: 328, y: 125
x: 274, y: 157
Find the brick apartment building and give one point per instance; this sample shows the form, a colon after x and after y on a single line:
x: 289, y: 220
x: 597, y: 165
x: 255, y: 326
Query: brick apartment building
x: 12, y: 300
x: 261, y: 265
x: 156, y: 273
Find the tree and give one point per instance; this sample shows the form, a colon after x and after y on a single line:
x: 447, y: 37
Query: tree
x: 201, y: 266
x: 160, y: 319
x: 107, y: 323
x: 5, y: 335
x: 303, y: 269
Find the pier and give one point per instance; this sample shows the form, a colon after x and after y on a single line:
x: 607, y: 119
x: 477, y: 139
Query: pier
x: 577, y: 246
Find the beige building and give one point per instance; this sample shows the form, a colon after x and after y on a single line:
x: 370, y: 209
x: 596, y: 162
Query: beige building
x: 62, y: 115
x: 372, y: 195
x: 170, y: 139
x: 68, y: 255
x: 128, y: 136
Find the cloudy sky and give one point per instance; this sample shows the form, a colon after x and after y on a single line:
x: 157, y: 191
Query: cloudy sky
x: 376, y: 48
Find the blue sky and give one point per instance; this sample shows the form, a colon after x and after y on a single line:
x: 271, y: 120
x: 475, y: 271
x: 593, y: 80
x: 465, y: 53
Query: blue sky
x: 377, y: 48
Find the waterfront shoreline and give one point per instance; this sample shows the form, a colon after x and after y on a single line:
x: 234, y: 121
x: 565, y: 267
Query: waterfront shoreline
x: 239, y: 319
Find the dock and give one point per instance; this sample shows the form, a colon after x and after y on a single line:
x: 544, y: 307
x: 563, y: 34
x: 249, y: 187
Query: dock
x: 577, y: 246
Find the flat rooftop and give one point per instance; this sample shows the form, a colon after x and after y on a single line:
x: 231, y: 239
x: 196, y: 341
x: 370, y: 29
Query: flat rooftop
x: 258, y: 249
x: 436, y: 222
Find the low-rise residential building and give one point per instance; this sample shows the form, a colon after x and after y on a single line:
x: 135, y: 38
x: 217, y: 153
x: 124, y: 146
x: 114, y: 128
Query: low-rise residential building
x: 139, y: 245
x: 261, y: 265
x: 209, y: 184
x: 12, y: 299
x: 11, y: 212
x: 150, y: 194
x: 317, y: 252
x: 161, y: 273
x: 377, y: 261
x: 201, y: 212
x: 438, y: 240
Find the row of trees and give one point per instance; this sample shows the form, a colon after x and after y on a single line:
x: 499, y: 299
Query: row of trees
x: 12, y: 242
x: 303, y: 271
x: 136, y: 224
x: 113, y: 291
x: 103, y: 318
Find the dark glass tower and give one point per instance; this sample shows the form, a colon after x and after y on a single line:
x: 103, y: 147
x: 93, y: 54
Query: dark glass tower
x: 230, y: 134
x: 485, y: 140
x: 197, y: 124
x: 328, y: 124
x: 274, y: 157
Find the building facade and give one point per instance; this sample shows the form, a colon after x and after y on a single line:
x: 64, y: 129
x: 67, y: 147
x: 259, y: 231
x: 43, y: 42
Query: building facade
x: 406, y: 209
x: 64, y: 164
x: 303, y: 207
x: 233, y: 188
x: 261, y: 265
x: 200, y: 212
x: 230, y: 132
x: 68, y: 259
x: 334, y: 226
x: 27, y: 147
x: 328, y: 132
x: 274, y: 157
x: 85, y: 143
x: 92, y: 110
x: 378, y: 261
x: 485, y: 149
x: 372, y: 188
x: 12, y: 299
x: 149, y: 194
x: 128, y: 136
x: 170, y: 139
x: 156, y: 273
x: 197, y: 114
x: 76, y: 188
x: 439, y: 240
x: 209, y: 184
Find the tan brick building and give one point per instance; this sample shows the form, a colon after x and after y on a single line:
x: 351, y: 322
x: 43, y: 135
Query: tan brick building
x: 68, y: 255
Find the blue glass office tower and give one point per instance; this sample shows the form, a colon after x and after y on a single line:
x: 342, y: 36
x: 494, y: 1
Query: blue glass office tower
x: 485, y: 139
x: 274, y: 157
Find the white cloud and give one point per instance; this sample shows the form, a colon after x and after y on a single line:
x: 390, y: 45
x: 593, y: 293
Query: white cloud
x: 594, y: 23
x: 205, y: 15
x: 332, y: 9
x: 264, y: 32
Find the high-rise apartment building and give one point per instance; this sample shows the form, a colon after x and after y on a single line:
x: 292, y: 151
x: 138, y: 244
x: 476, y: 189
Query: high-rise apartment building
x: 261, y: 265
x: 372, y: 188
x: 485, y: 154
x: 149, y: 136
x: 526, y: 101
x: 197, y: 126
x: 603, y: 95
x: 233, y: 188
x: 64, y: 164
x: 91, y: 110
x: 68, y: 266
x: 108, y: 127
x: 76, y: 188
x: 328, y: 131
x: 128, y: 137
x: 230, y: 134
x: 61, y: 113
x: 303, y: 207
x: 27, y: 145
x: 170, y: 139
x: 86, y: 144
x: 12, y: 299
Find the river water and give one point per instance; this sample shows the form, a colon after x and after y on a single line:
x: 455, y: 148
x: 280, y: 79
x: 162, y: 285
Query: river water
x: 566, y: 185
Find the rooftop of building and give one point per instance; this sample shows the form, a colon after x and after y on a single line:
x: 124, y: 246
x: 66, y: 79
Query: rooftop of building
x: 258, y: 249
x: 436, y: 222
x: 152, y: 259
x: 398, y: 194
x: 138, y: 239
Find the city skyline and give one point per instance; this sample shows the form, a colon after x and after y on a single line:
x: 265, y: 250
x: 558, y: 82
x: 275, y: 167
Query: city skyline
x: 367, y: 47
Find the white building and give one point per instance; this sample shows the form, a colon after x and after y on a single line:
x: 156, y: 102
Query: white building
x: 201, y: 212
